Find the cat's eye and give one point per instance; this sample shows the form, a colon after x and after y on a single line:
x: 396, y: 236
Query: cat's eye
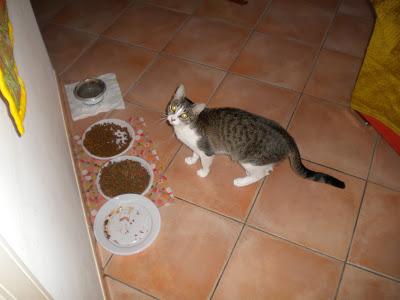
x: 184, y: 116
x: 173, y: 108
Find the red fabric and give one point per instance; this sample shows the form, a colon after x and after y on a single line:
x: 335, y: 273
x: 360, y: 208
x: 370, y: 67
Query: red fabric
x: 390, y: 136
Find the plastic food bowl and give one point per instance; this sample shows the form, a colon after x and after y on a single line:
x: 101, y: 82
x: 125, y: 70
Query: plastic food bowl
x: 112, y: 121
x: 144, y: 164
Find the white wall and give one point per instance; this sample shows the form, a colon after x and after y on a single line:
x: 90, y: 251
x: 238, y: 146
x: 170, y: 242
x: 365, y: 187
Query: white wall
x: 41, y: 213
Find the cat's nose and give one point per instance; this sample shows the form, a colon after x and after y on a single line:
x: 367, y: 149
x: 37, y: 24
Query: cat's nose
x: 173, y: 119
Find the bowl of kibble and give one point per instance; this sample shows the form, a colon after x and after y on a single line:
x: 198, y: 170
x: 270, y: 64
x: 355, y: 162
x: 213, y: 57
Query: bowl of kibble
x: 108, y: 138
x: 125, y: 175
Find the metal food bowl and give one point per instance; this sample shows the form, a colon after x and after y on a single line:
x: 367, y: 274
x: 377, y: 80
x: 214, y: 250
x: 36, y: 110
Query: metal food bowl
x: 90, y: 91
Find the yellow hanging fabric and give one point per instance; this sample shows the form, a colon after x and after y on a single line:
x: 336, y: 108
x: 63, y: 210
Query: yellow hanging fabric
x: 377, y: 91
x: 11, y: 85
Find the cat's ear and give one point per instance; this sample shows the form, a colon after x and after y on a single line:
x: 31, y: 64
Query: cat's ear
x: 180, y: 92
x: 198, y: 108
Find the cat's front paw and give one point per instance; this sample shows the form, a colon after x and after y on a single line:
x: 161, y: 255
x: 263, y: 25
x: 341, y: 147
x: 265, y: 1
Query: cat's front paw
x: 239, y: 182
x: 190, y: 160
x: 203, y: 172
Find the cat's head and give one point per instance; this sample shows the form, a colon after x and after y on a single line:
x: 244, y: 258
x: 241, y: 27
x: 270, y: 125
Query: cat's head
x: 182, y: 111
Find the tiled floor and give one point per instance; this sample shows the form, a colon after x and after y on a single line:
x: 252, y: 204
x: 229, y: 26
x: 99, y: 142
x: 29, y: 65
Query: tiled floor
x: 294, y: 61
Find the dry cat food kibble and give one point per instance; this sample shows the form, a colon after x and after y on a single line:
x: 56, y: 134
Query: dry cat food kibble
x: 107, y: 139
x: 123, y: 177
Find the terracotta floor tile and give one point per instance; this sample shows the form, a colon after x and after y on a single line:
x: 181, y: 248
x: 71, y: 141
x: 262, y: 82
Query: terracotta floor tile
x: 283, y: 62
x: 64, y: 45
x: 187, y: 257
x: 245, y: 15
x: 359, y: 8
x: 349, y: 34
x: 146, y: 25
x: 385, y: 168
x: 334, y: 76
x: 187, y: 6
x: 376, y: 243
x: 260, y: 98
x: 107, y: 56
x: 299, y: 20
x: 210, y: 42
x: 104, y: 255
x: 120, y: 291
x: 325, y: 4
x: 46, y: 9
x: 216, y: 191
x: 168, y: 72
x: 90, y: 15
x: 360, y: 285
x: 312, y: 214
x: 263, y: 267
x: 160, y: 133
x: 330, y: 135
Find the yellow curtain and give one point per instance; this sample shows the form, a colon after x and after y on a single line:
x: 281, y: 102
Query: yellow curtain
x: 377, y: 90
x: 11, y: 85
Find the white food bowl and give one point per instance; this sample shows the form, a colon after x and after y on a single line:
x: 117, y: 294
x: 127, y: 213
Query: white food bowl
x: 108, y: 121
x: 127, y: 224
x: 143, y: 163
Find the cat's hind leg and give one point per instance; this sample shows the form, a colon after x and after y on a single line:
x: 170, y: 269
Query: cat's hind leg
x: 253, y: 174
x: 191, y: 160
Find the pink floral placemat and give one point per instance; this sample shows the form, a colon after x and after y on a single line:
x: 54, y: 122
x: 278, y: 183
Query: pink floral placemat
x: 160, y: 193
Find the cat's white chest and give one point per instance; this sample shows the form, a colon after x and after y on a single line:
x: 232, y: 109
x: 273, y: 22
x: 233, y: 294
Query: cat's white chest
x: 187, y: 136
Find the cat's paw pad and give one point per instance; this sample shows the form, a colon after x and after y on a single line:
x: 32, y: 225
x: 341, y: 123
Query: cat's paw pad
x: 241, y: 182
x: 190, y: 160
x: 203, y: 172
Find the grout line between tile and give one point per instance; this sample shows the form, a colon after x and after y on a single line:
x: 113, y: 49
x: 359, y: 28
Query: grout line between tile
x: 397, y: 280
x: 216, y: 88
x: 329, y: 101
x: 177, y: 31
x: 83, y: 51
x: 250, y: 34
x: 124, y: 10
x: 189, y: 60
x: 130, y: 286
x: 66, y: 26
x: 210, y: 210
x: 172, y: 9
x: 334, y: 169
x: 237, y: 240
x: 275, y: 84
x: 107, y: 262
x: 171, y: 160
x: 114, y: 20
x: 144, y: 71
x: 305, y: 248
x: 296, y: 107
x: 357, y: 217
x: 258, y: 192
x: 51, y: 16
x: 316, y: 58
x: 223, y: 21
x: 226, y: 263
x: 127, y: 44
x: 384, y: 186
x: 288, y: 38
x: 156, y: 58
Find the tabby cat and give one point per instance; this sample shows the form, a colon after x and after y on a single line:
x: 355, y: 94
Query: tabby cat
x: 255, y: 142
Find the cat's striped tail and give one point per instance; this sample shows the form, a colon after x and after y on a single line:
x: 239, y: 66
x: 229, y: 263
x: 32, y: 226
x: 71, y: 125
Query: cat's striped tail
x: 300, y: 169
